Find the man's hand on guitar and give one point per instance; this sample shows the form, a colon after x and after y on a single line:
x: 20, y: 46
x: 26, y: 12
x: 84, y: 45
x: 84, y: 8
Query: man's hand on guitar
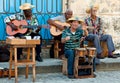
x: 57, y: 28
x: 12, y: 26
x: 60, y: 27
x: 37, y: 30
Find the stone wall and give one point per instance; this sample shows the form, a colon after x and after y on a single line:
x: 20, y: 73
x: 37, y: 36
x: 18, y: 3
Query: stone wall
x: 109, y: 11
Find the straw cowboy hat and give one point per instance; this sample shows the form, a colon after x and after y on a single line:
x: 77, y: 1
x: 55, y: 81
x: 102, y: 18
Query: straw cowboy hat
x: 96, y: 6
x: 26, y: 6
x: 74, y: 19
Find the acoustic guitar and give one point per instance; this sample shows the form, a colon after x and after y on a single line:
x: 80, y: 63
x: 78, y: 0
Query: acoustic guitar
x: 55, y: 31
x: 13, y: 28
x: 17, y: 26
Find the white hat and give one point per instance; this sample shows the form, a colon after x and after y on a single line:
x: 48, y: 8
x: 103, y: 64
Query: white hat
x: 75, y: 19
x: 26, y: 6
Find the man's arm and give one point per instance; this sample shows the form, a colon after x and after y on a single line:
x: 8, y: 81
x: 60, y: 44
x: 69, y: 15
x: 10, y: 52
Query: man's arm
x: 84, y: 28
x: 52, y: 21
x: 64, y: 38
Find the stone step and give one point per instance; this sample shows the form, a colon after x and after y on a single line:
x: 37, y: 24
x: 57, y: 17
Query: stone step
x: 47, y: 66
x: 109, y: 64
x: 55, y: 66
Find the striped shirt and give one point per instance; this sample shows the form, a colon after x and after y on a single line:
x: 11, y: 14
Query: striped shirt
x: 74, y: 41
x: 97, y: 24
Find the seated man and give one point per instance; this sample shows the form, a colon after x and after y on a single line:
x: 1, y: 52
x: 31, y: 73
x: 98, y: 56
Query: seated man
x: 96, y: 35
x: 13, y: 20
x: 62, y: 19
x: 71, y: 38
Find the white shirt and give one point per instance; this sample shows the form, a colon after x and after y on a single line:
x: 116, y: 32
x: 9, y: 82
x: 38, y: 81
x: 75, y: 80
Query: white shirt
x: 60, y: 18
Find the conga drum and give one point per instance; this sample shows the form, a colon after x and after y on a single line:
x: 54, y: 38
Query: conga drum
x: 81, y: 52
x: 91, y: 51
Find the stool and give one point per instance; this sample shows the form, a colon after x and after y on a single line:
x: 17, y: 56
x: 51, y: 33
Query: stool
x: 27, y: 62
x: 64, y: 66
x: 80, y: 53
x: 104, y: 48
x: 56, y: 49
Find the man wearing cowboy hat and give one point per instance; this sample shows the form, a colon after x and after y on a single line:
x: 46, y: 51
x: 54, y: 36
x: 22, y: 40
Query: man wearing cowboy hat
x: 96, y: 32
x: 31, y: 20
x: 71, y: 38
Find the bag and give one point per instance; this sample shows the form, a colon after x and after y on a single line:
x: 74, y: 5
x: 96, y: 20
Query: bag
x: 4, y: 54
x: 5, y: 72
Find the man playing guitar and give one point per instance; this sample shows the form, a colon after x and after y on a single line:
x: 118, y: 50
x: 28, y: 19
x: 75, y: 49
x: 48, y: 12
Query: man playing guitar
x: 62, y: 18
x: 27, y: 18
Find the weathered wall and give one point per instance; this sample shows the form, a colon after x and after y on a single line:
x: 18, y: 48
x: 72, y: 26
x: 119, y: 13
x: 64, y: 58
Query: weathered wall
x: 109, y: 11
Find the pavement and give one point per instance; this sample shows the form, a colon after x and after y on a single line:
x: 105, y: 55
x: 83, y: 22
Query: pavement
x: 102, y: 77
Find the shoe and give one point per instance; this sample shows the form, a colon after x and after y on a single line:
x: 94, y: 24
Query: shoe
x: 112, y: 56
x: 99, y: 56
x: 71, y: 76
x: 38, y: 58
x: 94, y: 75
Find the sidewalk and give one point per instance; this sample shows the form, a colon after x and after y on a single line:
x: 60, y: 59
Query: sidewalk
x: 102, y: 77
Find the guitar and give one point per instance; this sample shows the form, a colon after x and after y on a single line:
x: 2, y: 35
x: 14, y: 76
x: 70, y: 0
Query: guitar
x: 17, y: 26
x: 12, y: 27
x: 55, y: 31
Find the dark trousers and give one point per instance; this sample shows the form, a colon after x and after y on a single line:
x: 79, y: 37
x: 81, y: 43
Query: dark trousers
x: 38, y: 47
x: 60, y: 46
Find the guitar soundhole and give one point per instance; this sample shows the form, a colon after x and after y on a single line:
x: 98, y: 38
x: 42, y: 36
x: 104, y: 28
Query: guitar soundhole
x: 56, y: 30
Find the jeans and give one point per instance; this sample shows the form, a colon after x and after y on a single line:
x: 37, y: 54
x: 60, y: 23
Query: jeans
x: 96, y: 40
x: 69, y: 54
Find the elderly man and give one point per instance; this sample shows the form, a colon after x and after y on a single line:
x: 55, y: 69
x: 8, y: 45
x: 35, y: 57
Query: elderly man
x: 96, y: 32
x: 31, y: 20
x: 62, y: 19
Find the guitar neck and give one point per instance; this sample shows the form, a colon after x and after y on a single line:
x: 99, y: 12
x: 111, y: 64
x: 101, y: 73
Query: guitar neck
x: 36, y: 26
x: 32, y: 26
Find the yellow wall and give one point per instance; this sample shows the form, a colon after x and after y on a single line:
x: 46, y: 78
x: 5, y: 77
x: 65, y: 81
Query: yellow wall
x: 109, y: 11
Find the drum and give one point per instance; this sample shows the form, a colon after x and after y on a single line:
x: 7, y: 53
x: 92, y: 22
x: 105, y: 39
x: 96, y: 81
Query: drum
x: 91, y: 51
x: 80, y: 52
